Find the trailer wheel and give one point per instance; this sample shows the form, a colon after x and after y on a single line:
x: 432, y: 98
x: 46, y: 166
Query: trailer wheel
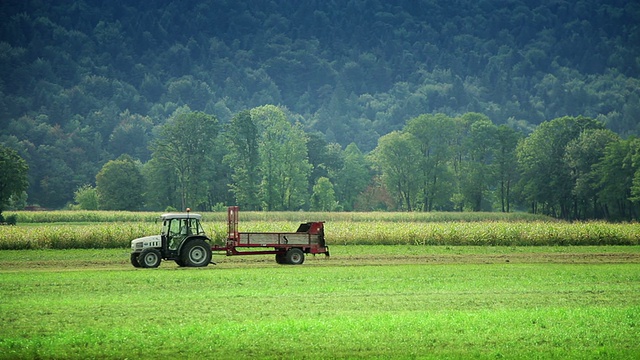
x: 134, y: 260
x: 149, y: 258
x: 280, y: 258
x: 196, y: 253
x: 294, y: 256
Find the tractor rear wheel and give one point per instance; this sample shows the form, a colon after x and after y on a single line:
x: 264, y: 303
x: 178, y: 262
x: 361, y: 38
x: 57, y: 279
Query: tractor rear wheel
x: 149, y: 258
x: 294, y: 256
x: 196, y: 253
x: 180, y: 262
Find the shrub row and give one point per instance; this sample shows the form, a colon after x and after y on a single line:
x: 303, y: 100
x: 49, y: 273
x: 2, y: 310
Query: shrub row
x: 79, y: 216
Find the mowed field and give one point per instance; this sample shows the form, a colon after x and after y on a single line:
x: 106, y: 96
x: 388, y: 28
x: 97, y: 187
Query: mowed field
x: 365, y: 301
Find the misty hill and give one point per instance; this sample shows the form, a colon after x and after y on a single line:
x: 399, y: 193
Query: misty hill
x: 81, y: 82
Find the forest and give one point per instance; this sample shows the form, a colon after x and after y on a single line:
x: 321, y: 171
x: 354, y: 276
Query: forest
x: 352, y: 105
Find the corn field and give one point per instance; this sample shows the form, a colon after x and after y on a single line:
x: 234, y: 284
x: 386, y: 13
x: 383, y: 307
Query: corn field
x: 355, y: 231
x: 484, y: 233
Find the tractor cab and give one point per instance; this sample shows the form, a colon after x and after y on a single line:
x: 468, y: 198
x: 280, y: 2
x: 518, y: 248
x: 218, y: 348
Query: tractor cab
x: 178, y: 227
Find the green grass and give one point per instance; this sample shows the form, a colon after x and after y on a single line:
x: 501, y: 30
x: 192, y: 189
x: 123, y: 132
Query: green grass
x: 363, y: 302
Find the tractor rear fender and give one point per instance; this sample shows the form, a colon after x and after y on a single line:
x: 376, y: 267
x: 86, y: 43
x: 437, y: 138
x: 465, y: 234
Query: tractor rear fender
x: 189, y: 239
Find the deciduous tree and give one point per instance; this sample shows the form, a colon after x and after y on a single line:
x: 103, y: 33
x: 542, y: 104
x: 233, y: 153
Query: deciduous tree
x: 616, y: 173
x: 396, y: 156
x: 352, y: 179
x: 478, y: 172
x: 323, y: 197
x: 13, y: 175
x: 506, y: 164
x: 435, y: 133
x: 582, y: 154
x: 243, y: 160
x: 284, y: 165
x: 86, y: 198
x: 119, y: 185
x: 186, y: 146
x: 546, y: 178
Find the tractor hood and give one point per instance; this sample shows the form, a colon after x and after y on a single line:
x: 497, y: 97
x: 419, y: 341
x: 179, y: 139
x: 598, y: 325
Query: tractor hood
x: 154, y: 241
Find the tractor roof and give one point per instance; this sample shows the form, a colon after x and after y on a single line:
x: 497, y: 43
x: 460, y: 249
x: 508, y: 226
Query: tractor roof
x: 180, y: 216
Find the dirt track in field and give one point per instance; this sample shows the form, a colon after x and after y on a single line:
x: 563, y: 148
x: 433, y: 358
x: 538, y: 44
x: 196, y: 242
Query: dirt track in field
x: 336, y: 260
x: 519, y: 258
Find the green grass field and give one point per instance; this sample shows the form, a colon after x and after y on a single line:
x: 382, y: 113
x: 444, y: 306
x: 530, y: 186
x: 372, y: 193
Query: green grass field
x: 434, y: 285
x: 401, y: 301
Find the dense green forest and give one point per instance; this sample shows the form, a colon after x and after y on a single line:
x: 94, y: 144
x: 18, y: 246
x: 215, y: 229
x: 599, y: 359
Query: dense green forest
x: 90, y: 85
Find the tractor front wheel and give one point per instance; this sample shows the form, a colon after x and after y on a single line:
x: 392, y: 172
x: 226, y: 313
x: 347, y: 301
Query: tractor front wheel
x: 196, y: 253
x: 149, y: 258
x: 134, y: 260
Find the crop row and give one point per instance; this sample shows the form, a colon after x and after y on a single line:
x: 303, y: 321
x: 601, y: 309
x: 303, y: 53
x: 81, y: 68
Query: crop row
x: 127, y: 216
x: 488, y: 234
x: 119, y: 235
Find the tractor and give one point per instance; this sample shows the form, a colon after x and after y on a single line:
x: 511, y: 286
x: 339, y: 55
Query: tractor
x: 182, y: 240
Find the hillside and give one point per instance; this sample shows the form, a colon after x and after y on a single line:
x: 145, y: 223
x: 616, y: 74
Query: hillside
x: 83, y: 82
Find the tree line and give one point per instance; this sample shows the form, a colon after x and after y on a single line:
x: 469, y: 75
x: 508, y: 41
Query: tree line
x: 569, y: 167
x: 85, y: 82
x: 261, y: 160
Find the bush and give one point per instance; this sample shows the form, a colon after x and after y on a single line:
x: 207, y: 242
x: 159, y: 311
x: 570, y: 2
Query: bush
x: 11, y: 219
x: 86, y: 198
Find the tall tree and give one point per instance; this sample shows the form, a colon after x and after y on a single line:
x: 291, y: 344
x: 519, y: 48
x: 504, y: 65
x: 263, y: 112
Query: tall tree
x: 13, y: 175
x: 436, y: 134
x: 131, y: 136
x: 635, y: 183
x: 582, y: 154
x: 395, y: 156
x: 186, y: 146
x: 284, y: 165
x: 478, y: 175
x: 323, y: 197
x: 161, y: 186
x: 325, y: 158
x: 243, y: 159
x: 506, y: 164
x: 353, y: 178
x: 217, y: 175
x: 120, y: 185
x: 545, y: 176
x: 616, y: 173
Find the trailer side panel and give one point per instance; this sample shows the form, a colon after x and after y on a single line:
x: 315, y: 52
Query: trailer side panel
x: 265, y: 239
